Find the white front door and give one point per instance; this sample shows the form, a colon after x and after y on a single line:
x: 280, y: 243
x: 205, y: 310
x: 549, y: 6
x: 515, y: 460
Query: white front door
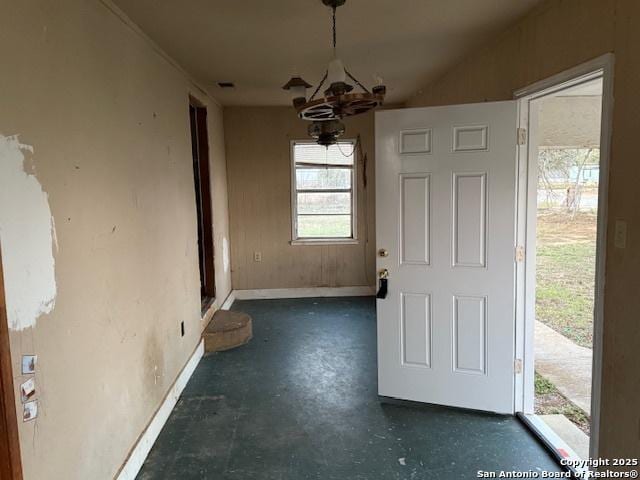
x: 445, y: 214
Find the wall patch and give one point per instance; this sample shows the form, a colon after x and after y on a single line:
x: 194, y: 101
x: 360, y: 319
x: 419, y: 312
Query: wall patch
x: 27, y: 235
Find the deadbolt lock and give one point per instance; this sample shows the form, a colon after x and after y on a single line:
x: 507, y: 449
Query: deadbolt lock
x: 383, y: 252
x: 383, y: 273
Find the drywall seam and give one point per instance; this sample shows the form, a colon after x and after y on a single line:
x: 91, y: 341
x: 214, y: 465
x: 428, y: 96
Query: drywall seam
x: 27, y: 238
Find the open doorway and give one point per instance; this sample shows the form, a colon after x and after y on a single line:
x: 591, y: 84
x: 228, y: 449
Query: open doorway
x: 563, y: 220
x: 568, y: 164
x: 202, y: 181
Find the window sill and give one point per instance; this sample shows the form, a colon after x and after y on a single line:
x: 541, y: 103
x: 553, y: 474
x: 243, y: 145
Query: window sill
x: 328, y: 241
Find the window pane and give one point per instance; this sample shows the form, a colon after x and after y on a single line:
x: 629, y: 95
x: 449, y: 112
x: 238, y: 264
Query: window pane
x: 324, y: 226
x: 318, y: 203
x: 338, y: 154
x: 323, y: 178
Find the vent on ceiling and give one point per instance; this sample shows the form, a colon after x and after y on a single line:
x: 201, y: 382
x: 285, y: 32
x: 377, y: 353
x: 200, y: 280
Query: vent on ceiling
x: 226, y: 85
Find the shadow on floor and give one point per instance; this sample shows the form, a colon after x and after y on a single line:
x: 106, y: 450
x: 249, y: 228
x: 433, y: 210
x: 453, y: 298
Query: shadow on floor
x: 300, y: 402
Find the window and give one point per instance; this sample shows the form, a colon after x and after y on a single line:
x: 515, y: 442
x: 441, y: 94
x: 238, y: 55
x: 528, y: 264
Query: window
x: 200, y: 151
x: 323, y: 192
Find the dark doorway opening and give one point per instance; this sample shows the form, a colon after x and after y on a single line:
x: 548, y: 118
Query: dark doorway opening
x: 201, y: 176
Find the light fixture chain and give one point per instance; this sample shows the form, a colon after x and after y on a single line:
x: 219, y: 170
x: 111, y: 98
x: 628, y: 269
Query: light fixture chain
x: 357, y: 81
x: 335, y: 33
x: 319, y: 86
x: 338, y: 101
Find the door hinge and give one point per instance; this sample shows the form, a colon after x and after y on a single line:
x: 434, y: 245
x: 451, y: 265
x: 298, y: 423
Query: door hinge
x: 519, y: 254
x: 522, y: 136
x: 517, y: 365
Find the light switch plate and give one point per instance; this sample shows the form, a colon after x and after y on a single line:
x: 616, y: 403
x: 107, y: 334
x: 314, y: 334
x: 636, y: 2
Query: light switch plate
x: 28, y: 390
x: 30, y: 411
x: 29, y: 364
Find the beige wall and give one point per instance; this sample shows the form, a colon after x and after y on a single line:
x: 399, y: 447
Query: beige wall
x: 259, y: 168
x: 107, y: 117
x: 558, y: 35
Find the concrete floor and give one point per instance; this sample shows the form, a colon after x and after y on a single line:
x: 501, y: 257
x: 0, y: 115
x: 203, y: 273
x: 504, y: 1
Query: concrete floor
x: 300, y: 402
x: 575, y: 438
x: 567, y: 365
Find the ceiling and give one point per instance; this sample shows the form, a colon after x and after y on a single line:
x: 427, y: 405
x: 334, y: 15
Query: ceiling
x: 589, y: 89
x: 572, y: 117
x: 259, y: 44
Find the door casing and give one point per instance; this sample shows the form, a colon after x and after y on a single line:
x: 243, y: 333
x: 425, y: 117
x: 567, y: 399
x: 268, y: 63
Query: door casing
x: 10, y: 463
x: 203, y: 194
x: 600, y: 67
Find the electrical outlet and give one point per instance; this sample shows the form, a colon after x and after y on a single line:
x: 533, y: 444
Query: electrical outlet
x: 257, y: 256
x: 620, y: 237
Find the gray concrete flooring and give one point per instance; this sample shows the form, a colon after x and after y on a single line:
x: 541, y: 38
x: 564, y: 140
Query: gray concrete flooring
x: 300, y: 402
x: 567, y: 365
x: 569, y: 432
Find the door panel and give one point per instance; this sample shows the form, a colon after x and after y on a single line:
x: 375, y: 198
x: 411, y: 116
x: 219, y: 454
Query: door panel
x: 416, y: 329
x: 414, y: 215
x: 469, y: 219
x: 445, y: 212
x: 469, y: 334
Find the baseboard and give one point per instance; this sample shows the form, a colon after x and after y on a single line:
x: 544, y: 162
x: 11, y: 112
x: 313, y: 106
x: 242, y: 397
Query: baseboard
x: 229, y: 301
x: 268, y: 293
x: 139, y: 453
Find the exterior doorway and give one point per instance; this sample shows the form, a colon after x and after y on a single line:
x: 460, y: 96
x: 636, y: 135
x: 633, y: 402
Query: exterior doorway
x: 562, y: 205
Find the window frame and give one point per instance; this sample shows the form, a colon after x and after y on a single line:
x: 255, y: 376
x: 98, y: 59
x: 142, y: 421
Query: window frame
x: 353, y: 239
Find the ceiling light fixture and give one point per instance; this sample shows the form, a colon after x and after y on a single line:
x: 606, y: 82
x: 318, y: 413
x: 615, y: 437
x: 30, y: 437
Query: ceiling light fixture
x: 339, y: 100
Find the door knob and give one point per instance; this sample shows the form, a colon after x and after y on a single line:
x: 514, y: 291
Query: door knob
x: 383, y: 273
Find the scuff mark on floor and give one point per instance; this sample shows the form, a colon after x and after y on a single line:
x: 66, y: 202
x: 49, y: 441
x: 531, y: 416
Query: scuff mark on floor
x: 27, y: 237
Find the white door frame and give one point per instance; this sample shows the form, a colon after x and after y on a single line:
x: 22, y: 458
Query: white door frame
x: 600, y: 67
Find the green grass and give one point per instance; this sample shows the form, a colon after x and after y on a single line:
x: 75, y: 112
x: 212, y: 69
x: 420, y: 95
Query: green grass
x: 335, y: 226
x: 565, y: 263
x: 543, y: 386
x: 549, y: 401
x: 566, y: 255
x: 565, y: 289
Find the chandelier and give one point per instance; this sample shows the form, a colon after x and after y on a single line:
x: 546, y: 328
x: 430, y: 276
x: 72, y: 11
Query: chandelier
x: 344, y: 95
